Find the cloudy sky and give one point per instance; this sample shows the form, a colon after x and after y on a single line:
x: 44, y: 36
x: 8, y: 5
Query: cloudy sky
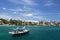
x: 30, y: 9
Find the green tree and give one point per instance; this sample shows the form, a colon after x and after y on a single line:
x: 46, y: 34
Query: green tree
x: 13, y: 22
x: 4, y: 21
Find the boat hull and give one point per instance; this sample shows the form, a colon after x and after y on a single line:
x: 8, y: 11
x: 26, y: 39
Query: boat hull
x: 19, y: 33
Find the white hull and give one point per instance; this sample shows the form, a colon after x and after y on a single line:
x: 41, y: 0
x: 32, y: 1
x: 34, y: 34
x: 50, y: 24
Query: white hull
x: 22, y: 32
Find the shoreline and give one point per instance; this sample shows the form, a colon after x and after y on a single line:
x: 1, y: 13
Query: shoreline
x: 28, y: 26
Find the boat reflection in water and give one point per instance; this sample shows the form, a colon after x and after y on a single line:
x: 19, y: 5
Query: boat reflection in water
x: 18, y: 31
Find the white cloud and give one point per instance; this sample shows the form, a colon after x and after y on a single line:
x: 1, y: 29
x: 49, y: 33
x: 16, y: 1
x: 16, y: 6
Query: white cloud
x: 4, y: 8
x: 5, y: 16
x: 18, y: 18
x: 14, y: 12
x: 30, y: 12
x: 28, y: 15
x: 29, y: 2
x: 39, y: 17
x: 20, y: 10
x: 49, y: 3
x: 9, y: 17
x: 24, y: 2
x: 16, y: 9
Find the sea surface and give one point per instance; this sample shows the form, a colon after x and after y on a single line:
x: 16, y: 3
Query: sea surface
x: 35, y: 33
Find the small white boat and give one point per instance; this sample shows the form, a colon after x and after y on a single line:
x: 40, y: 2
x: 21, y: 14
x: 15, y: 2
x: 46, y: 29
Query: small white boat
x: 19, y: 31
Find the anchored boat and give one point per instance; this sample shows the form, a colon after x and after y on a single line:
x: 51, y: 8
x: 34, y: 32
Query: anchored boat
x: 18, y: 31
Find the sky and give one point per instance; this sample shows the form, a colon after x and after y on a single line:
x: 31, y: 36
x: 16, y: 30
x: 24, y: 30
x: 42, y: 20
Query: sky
x: 32, y: 10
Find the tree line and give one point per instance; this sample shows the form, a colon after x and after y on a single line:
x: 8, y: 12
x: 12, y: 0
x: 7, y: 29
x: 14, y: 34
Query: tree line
x: 20, y: 22
x: 16, y: 22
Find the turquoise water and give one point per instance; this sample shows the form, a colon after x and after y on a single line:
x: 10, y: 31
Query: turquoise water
x: 36, y: 33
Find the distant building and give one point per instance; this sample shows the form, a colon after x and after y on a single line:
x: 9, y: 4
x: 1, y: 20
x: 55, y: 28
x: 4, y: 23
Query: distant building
x: 46, y: 23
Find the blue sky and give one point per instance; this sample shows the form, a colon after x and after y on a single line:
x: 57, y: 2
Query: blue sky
x: 32, y: 10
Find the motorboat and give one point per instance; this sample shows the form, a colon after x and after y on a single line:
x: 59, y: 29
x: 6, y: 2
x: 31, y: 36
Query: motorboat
x: 19, y: 31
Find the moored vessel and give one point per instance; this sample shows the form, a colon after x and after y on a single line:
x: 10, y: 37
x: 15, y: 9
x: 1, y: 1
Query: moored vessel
x: 18, y: 31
